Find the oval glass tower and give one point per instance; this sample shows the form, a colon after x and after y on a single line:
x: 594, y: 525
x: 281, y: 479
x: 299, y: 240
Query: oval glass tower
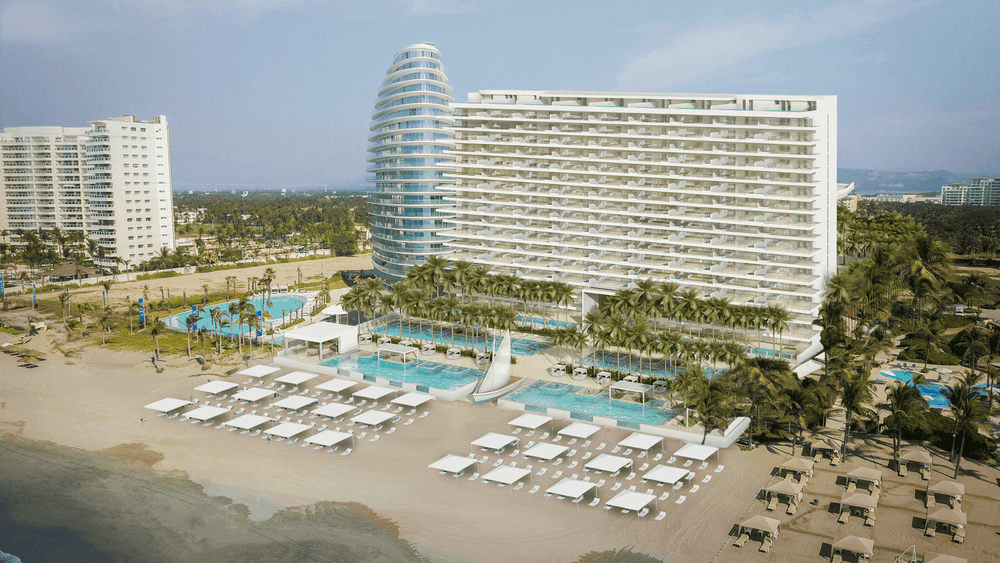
x: 407, y: 142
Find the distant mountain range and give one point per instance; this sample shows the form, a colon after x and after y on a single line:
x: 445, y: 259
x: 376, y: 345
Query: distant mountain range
x: 867, y: 182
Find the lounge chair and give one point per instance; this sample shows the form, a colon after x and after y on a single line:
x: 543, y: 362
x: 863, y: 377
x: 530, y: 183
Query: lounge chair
x: 349, y: 401
x: 333, y: 449
x: 514, y: 453
x: 616, y: 450
x: 959, y: 536
x: 484, y: 459
x: 681, y: 500
x: 851, y: 487
x: 817, y: 458
x: 412, y: 412
x: 557, y: 475
x: 930, y: 531
x: 869, y: 520
x: 362, y: 435
x: 672, y: 459
x: 575, y: 477
x: 586, y: 456
x: 571, y: 453
x: 571, y: 442
x: 391, y: 430
x: 601, y: 483
x: 530, y: 433
x: 765, y: 546
x: 424, y: 414
x: 616, y: 486
x: 772, y: 503
x: 586, y: 444
x: 643, y: 512
x: 602, y: 446
x: 792, y: 507
x: 385, y: 408
x: 706, y: 479
x: 902, y: 470
x: 514, y: 464
x: 498, y: 463
x: 534, y: 490
x: 557, y: 438
x: 835, y: 461
x: 688, y: 463
x: 678, y: 485
x: 741, y: 540
x: 408, y: 422
x: 844, y: 516
x: 594, y: 502
x: 529, y: 444
x: 664, y: 497
x: 397, y: 410
x: 375, y: 439
x: 474, y: 477
x: 347, y: 451
x: 628, y: 452
x: 363, y: 402
x: 658, y: 457
x: 644, y: 467
x: 630, y: 477
x: 519, y: 485
x: 558, y: 461
x: 572, y: 465
x: 925, y: 474
x: 703, y: 466
x: 695, y: 488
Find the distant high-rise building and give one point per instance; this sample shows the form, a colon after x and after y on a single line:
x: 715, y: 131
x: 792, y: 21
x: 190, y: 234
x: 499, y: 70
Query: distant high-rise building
x: 109, y: 182
x: 979, y: 191
x: 407, y: 143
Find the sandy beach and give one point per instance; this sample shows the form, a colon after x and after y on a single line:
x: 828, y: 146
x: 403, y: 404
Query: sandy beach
x: 81, y: 410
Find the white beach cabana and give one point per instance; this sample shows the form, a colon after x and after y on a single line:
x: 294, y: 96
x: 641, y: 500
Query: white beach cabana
x: 697, y: 452
x: 545, y: 452
x: 259, y: 372
x: 287, y: 429
x: 949, y: 516
x: 798, y: 465
x: 167, y: 405
x: 254, y: 394
x: 858, y: 500
x: 529, y: 421
x: 854, y: 544
x: 337, y: 386
x: 580, y: 430
x: 947, y: 488
x: 373, y: 418
x: 296, y: 377
x: 932, y: 557
x: 665, y: 474
x: 454, y: 464
x: 333, y: 410
x: 412, y: 400
x: 609, y: 463
x: 506, y: 475
x: 570, y: 488
x: 374, y: 392
x: 401, y: 349
x: 786, y: 488
x: 630, y: 500
x: 335, y: 338
x: 632, y: 387
x: 494, y: 441
x: 865, y: 474
x: 769, y: 526
x: 216, y: 387
x: 205, y: 413
x: 640, y: 441
x: 295, y: 402
x: 329, y: 438
x: 248, y: 421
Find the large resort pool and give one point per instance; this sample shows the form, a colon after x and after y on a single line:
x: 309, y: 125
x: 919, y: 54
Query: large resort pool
x: 933, y: 393
x: 422, y: 373
x: 584, y: 404
x: 419, y: 331
x: 280, y: 305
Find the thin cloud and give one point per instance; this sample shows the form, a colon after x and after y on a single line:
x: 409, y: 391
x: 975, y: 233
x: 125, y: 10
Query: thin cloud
x: 23, y: 22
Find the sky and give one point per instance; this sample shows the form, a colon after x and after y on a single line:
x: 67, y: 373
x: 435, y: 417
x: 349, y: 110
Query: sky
x: 271, y: 93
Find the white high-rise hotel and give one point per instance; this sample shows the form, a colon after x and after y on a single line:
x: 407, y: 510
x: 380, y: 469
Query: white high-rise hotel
x: 731, y: 195
x: 110, y: 181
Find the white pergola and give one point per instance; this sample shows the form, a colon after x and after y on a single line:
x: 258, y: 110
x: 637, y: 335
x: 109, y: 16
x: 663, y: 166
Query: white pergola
x: 333, y: 410
x: 412, y: 400
x: 338, y: 338
x: 295, y: 402
x: 545, y: 452
x: 610, y: 463
x: 373, y: 418
x: 329, y: 438
x: 337, y: 386
x: 506, y: 476
x: 374, y: 392
x: 254, y: 394
x: 570, y: 488
x: 631, y: 387
x: 580, y: 430
x: 630, y: 500
x: 530, y: 421
x: 641, y: 441
x: 287, y: 429
x: 296, y: 377
x: 215, y: 387
x: 454, y: 464
x: 697, y: 452
x: 248, y: 421
x: 494, y: 441
x: 665, y: 474
x: 260, y: 371
x: 167, y: 405
x: 206, y: 413
x: 397, y: 349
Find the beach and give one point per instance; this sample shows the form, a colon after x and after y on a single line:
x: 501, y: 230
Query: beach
x: 71, y: 430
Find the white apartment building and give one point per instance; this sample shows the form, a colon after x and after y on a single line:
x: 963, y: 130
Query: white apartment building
x: 110, y: 180
x: 734, y: 196
x: 979, y: 191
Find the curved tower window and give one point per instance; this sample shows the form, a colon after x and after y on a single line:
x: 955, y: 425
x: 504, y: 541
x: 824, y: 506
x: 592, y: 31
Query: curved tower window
x: 408, y: 138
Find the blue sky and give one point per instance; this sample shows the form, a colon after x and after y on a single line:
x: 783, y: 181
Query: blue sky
x: 280, y: 92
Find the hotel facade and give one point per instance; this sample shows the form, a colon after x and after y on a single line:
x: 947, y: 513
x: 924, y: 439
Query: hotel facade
x: 733, y: 196
x: 979, y: 191
x: 109, y: 181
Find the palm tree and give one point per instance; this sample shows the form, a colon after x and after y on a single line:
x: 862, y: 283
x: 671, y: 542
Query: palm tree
x: 856, y: 394
x: 220, y: 321
x: 969, y: 414
x: 906, y: 408
x: 799, y: 401
x: 972, y: 342
x: 992, y: 348
x: 685, y: 384
x: 709, y: 398
x: 669, y: 344
x: 191, y: 323
x: 779, y: 317
x: 63, y: 302
x: 156, y: 329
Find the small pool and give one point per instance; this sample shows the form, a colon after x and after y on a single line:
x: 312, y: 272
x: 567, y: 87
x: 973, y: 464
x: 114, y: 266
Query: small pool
x: 618, y: 361
x: 417, y: 372
x: 933, y: 393
x: 573, y: 398
x: 280, y: 304
x: 547, y: 323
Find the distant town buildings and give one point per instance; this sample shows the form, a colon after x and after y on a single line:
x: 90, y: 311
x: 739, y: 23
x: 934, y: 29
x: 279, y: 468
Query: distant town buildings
x: 109, y: 182
x: 979, y: 191
x: 904, y: 198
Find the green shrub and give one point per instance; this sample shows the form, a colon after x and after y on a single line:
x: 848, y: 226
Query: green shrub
x: 157, y: 275
x: 937, y: 357
x: 939, y: 432
x: 953, y: 321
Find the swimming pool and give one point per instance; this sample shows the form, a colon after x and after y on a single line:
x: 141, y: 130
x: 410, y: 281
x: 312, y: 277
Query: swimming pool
x: 279, y: 303
x: 418, y: 372
x: 417, y: 331
x: 933, y: 393
x: 629, y: 363
x: 547, y: 323
x: 583, y: 406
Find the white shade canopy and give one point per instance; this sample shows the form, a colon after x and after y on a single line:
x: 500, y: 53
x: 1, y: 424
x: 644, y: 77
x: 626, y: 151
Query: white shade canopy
x: 333, y: 410
x: 254, y: 394
x: 786, y: 488
x: 918, y: 455
x: 530, y: 421
x: 859, y: 500
x: 855, y: 544
x: 640, y: 441
x: 215, y: 387
x: 866, y: 474
x: 571, y: 488
x: 318, y: 333
x: 665, y: 474
x: 545, y: 452
x: 797, y: 464
x: 397, y: 348
x: 932, y: 557
x: 260, y: 371
x: 337, y: 385
x: 296, y: 377
x: 373, y: 392
x: 762, y: 523
x: 949, y: 488
x: 412, y: 400
x: 579, y: 430
x: 609, y: 463
x: 948, y: 516
x: 334, y: 310
x: 295, y: 402
x: 494, y: 441
x: 167, y: 405
x: 287, y: 429
x: 248, y: 421
x: 506, y: 474
x: 631, y: 500
x: 373, y: 418
x: 327, y: 438
x: 205, y: 413
x: 696, y: 451
x: 453, y: 463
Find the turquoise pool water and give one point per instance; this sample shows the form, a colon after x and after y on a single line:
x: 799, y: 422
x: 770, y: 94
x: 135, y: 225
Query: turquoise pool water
x: 416, y: 331
x: 933, y: 393
x: 572, y: 398
x: 640, y: 366
x: 547, y: 323
x: 418, y: 372
x: 278, y: 303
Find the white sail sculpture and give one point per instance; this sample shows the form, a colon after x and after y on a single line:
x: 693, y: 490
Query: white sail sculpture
x: 497, y: 380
